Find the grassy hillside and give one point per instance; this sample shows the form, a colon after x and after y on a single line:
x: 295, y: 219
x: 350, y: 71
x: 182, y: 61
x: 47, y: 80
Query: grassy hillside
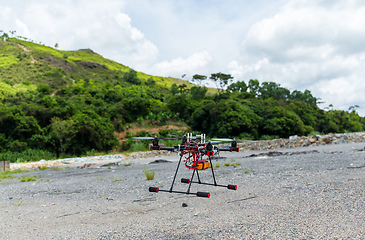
x: 64, y: 103
x: 23, y: 61
x: 72, y: 102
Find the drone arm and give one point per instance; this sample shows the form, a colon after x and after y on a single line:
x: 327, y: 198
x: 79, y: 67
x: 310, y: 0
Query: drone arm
x: 229, y: 149
x: 167, y: 148
x: 159, y: 148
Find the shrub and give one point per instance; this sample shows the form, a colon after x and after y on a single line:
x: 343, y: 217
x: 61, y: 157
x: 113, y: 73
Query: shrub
x: 236, y: 164
x: 28, y: 155
x: 27, y: 179
x: 150, y: 175
x: 138, y: 146
x: 269, y: 137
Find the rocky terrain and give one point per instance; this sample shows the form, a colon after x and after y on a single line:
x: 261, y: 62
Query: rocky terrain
x: 303, y: 141
x: 315, y: 192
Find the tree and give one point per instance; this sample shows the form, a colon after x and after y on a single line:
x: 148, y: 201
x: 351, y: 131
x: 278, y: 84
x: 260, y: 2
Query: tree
x: 44, y: 89
x: 221, y: 79
x: 271, y: 89
x: 254, y: 86
x: 61, y: 134
x: 353, y: 108
x: 239, y: 86
x: 136, y: 106
x: 178, y: 104
x: 225, y: 118
x: 183, y: 88
x: 174, y: 89
x: 199, y: 78
x: 150, y: 82
x: 131, y: 77
x: 56, y: 45
x: 305, y: 97
x: 26, y: 126
x: 4, y: 36
x: 92, y: 132
x: 12, y: 33
x: 198, y: 93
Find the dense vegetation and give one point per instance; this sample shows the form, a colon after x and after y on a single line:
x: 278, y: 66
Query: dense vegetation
x: 57, y: 103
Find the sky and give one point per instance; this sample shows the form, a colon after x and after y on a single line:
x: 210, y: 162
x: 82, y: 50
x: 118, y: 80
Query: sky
x: 301, y: 44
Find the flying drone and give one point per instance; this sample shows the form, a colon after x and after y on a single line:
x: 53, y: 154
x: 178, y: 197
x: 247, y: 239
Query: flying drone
x: 197, y: 155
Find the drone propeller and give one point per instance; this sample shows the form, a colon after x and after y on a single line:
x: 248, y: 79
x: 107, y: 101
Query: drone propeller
x: 178, y: 136
x: 151, y: 138
x: 223, y: 139
x: 230, y: 140
x: 143, y: 138
x: 212, y: 142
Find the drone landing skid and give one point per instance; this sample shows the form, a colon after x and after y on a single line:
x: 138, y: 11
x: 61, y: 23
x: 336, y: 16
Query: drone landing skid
x: 190, y: 181
x: 198, y: 194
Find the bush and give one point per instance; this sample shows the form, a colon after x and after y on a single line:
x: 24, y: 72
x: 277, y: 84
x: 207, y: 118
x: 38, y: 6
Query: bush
x: 28, y: 155
x: 150, y: 175
x: 120, y: 125
x: 246, y: 136
x: 150, y: 82
x: 17, y: 146
x: 45, y: 89
x: 269, y: 137
x: 131, y: 77
x: 138, y: 147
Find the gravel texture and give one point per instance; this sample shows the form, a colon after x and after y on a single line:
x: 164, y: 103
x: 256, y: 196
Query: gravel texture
x: 308, y: 195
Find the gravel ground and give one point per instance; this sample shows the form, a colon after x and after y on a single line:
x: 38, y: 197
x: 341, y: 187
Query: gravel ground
x: 318, y: 195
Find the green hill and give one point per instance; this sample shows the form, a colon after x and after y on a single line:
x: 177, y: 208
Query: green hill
x: 65, y: 103
x: 45, y: 92
x: 23, y: 61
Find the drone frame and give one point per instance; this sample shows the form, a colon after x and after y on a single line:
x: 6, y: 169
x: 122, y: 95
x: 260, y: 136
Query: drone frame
x: 206, y: 149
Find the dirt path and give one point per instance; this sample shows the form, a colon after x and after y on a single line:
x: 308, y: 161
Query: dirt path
x: 27, y: 51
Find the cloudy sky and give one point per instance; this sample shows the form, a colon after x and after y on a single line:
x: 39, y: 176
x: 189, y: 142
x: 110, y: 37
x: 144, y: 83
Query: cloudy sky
x: 317, y: 45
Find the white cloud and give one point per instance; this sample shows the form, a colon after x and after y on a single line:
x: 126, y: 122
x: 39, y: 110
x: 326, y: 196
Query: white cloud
x: 101, y: 26
x: 196, y: 63
x: 5, y: 12
x: 304, y: 44
x: 22, y: 27
x: 315, y: 45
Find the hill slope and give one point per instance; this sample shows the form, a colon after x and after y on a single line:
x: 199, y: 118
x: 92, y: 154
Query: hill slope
x: 56, y: 102
x: 23, y: 61
x: 72, y: 101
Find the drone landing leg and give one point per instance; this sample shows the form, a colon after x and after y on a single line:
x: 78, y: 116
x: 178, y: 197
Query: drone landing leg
x: 191, y: 180
x: 197, y: 173
x: 211, y: 166
x: 177, y: 169
x: 198, y: 194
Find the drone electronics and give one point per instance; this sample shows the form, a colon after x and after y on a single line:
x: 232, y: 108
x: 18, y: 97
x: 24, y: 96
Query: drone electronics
x: 197, y: 156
